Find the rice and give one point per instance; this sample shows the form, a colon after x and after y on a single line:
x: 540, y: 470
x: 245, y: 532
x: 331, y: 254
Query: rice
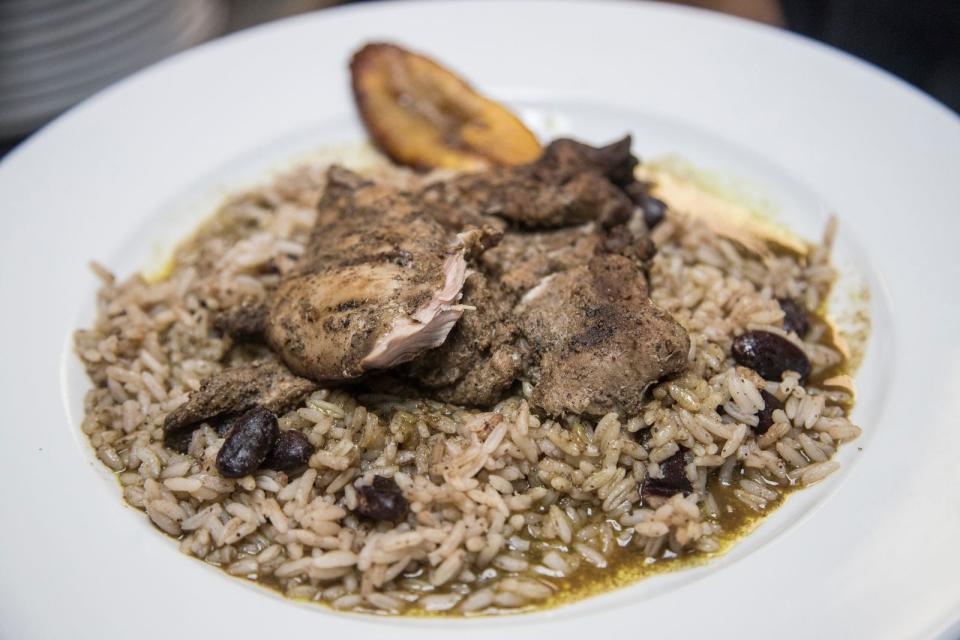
x: 505, y: 506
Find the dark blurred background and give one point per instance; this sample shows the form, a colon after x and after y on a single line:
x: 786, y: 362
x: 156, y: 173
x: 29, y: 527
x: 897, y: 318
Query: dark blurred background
x: 54, y: 53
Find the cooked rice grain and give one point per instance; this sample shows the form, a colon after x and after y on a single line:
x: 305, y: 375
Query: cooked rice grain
x: 504, y: 505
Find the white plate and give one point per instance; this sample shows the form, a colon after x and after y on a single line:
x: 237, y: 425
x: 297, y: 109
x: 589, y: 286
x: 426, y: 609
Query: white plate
x: 871, y: 552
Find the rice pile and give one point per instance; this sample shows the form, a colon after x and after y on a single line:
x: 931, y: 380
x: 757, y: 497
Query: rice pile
x: 505, y: 507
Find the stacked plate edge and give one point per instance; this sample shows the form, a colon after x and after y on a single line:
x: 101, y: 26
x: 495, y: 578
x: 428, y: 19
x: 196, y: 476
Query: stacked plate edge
x: 55, y: 53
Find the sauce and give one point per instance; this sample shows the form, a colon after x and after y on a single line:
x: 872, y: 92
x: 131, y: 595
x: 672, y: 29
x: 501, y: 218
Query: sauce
x: 626, y: 565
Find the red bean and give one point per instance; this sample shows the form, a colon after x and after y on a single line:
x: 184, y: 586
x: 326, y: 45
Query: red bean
x: 765, y: 415
x: 653, y: 209
x: 770, y: 355
x: 247, y: 443
x: 795, y: 317
x: 291, y: 451
x: 381, y: 500
x: 674, y: 479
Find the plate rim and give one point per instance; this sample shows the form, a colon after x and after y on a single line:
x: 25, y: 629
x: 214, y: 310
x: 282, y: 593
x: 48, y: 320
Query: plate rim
x: 26, y: 147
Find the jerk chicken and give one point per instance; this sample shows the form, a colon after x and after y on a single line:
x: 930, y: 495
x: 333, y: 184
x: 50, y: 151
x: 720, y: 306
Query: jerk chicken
x: 598, y: 339
x: 527, y: 266
x: 377, y: 285
x: 405, y: 283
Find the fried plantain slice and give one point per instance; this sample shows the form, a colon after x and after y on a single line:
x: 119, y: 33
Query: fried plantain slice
x: 425, y: 116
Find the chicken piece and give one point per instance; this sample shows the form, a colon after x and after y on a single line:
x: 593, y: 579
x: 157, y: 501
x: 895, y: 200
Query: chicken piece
x: 246, y: 322
x: 231, y: 392
x: 599, y: 340
x: 383, y: 285
x: 377, y: 285
x: 444, y: 206
x: 614, y: 161
x: 489, y: 350
x: 522, y: 259
x: 623, y: 241
x: 484, y: 354
x: 571, y: 183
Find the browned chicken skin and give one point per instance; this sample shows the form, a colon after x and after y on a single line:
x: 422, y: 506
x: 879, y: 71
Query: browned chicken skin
x: 267, y: 383
x: 570, y: 184
x: 484, y: 354
x: 377, y: 285
x: 600, y: 341
x: 523, y: 258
